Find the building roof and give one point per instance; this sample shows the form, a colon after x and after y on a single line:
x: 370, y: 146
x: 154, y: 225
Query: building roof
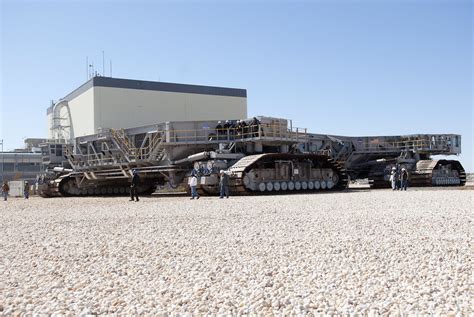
x: 156, y: 86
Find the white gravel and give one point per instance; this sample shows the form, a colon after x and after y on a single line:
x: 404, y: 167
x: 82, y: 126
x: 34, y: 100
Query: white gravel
x: 367, y: 252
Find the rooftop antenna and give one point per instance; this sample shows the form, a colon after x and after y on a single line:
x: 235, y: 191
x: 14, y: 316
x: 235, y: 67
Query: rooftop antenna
x: 103, y: 63
x: 87, y: 68
x: 91, y: 70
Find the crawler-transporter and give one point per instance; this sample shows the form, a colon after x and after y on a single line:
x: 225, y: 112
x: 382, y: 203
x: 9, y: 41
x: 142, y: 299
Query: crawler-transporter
x: 266, y: 155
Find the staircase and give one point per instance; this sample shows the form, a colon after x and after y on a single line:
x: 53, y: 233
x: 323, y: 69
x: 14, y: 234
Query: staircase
x: 157, y: 152
x: 230, y: 146
x: 343, y: 154
x: 123, y: 143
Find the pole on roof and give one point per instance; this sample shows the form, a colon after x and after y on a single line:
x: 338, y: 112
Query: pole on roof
x: 3, y: 159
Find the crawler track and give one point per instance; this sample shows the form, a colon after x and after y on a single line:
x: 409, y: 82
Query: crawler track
x: 293, y: 183
x: 428, y: 173
x: 65, y: 186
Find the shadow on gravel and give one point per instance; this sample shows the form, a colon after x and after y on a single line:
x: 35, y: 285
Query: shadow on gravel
x: 357, y: 189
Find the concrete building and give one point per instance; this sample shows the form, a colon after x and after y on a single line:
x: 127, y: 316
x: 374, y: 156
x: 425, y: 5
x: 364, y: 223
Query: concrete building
x: 20, y: 166
x: 104, y: 102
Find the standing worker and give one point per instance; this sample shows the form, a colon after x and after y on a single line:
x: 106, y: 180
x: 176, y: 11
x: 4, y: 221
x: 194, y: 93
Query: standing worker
x: 219, y: 130
x: 404, y: 179
x: 226, y: 128
x: 224, y: 184
x: 398, y: 175
x: 5, y: 190
x: 232, y: 129
x: 244, y: 128
x: 393, y: 178
x: 193, y: 184
x: 254, y: 127
x: 237, y: 127
x: 26, y: 190
x: 133, y: 187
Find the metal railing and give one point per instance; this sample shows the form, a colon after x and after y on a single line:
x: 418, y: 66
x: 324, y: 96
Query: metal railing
x: 418, y: 144
x: 262, y: 131
x: 124, y: 151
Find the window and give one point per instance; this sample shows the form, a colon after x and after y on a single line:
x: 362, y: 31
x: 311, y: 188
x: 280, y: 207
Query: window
x: 7, y: 167
x: 28, y: 167
x: 59, y: 150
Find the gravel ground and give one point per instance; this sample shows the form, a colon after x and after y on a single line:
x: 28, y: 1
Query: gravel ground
x: 367, y: 252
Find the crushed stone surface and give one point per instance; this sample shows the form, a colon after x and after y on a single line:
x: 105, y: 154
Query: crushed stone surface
x: 359, y: 252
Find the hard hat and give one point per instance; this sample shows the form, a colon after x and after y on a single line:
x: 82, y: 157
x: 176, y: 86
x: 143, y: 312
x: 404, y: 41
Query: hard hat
x: 219, y: 122
x: 404, y: 169
x: 221, y: 172
x: 226, y: 121
x: 394, y: 168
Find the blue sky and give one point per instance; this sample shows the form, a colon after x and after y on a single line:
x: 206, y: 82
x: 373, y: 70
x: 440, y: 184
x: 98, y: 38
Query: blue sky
x: 337, y: 67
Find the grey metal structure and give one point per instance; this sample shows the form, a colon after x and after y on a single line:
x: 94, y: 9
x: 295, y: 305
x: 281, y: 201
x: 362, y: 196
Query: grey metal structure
x: 20, y: 166
x: 373, y: 157
x: 263, y: 155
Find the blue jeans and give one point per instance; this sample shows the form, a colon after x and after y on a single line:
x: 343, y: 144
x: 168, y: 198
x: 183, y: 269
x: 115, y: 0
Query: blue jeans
x: 5, y: 195
x: 224, y: 191
x: 404, y: 184
x: 194, y: 193
x: 27, y: 195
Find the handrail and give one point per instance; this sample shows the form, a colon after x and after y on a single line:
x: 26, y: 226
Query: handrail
x: 417, y: 144
x: 226, y: 135
x: 231, y: 134
x: 263, y: 131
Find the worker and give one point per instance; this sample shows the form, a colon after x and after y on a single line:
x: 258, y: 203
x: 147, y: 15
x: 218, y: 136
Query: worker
x: 238, y: 128
x: 404, y: 179
x: 232, y: 129
x: 254, y: 127
x: 5, y: 190
x: 134, y: 185
x: 226, y: 127
x: 245, y: 129
x: 393, y: 178
x: 398, y: 174
x: 224, y: 184
x: 26, y: 190
x: 219, y: 130
x: 193, y: 184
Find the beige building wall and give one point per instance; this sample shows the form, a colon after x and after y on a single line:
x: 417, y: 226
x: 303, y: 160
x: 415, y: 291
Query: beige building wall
x: 104, y: 102
x: 127, y: 108
x: 82, y: 113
